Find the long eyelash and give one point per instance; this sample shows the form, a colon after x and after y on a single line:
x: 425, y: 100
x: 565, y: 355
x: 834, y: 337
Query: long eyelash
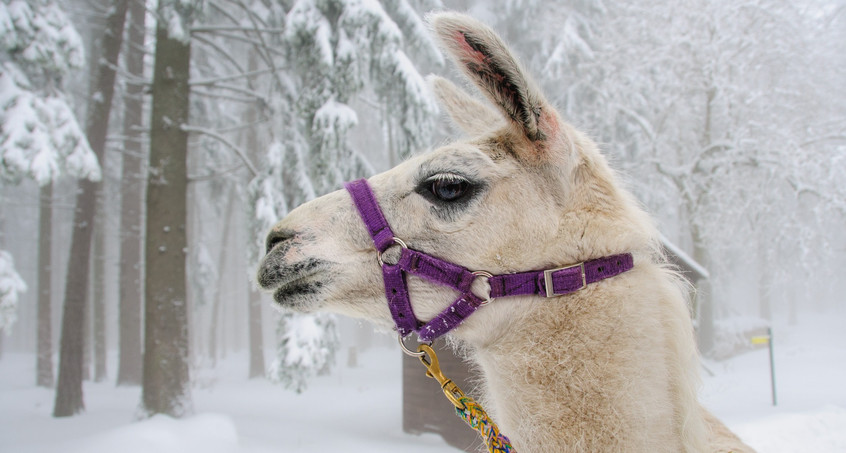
x: 447, y: 177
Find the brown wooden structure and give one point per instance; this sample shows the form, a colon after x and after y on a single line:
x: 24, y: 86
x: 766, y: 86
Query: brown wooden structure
x: 426, y: 410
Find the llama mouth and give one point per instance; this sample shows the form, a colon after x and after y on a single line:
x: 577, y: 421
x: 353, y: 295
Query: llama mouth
x: 301, y: 294
x: 293, y: 284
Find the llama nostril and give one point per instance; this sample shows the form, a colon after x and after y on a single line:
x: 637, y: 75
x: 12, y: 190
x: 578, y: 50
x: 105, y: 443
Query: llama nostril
x: 276, y: 237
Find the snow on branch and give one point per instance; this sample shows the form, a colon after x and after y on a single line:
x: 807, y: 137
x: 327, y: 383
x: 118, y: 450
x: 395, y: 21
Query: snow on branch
x: 177, y: 17
x: 11, y: 284
x: 416, y: 32
x: 39, y: 136
x: 40, y: 35
x: 334, y: 119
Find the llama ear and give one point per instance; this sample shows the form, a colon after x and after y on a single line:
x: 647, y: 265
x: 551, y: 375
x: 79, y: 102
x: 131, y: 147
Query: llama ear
x: 470, y: 115
x: 485, y: 60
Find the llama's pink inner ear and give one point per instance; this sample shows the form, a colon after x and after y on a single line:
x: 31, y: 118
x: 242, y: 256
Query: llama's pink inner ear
x: 486, y: 61
x: 470, y: 55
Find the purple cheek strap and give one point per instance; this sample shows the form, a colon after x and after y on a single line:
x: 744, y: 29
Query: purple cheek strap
x: 544, y: 283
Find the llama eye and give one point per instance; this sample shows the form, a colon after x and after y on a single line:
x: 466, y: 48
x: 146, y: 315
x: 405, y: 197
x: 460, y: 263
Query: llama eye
x: 449, y: 189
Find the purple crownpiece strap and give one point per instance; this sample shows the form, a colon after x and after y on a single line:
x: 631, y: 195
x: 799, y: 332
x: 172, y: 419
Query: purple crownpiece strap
x: 562, y: 281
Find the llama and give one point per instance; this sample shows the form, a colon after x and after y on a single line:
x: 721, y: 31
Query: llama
x: 610, y: 367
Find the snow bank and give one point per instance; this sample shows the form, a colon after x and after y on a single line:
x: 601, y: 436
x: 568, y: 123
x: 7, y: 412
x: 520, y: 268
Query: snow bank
x: 818, y: 431
x: 207, y: 433
x: 360, y: 409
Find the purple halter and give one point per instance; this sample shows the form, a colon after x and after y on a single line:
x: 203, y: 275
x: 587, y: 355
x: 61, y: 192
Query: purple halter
x: 544, y: 283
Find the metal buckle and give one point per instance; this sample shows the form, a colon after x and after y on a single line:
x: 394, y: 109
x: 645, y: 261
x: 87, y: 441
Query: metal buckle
x: 487, y: 275
x: 547, y: 278
x: 407, y: 351
x: 397, y: 241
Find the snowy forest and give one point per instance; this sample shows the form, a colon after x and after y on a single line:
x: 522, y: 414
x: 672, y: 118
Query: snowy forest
x: 146, y: 148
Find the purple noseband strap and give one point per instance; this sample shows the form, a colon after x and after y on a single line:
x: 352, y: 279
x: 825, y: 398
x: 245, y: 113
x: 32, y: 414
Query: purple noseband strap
x: 544, y: 283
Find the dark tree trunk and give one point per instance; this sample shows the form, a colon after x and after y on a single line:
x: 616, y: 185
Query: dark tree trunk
x: 44, y: 355
x: 69, y: 389
x: 98, y: 301
x: 165, y: 386
x: 86, y: 323
x: 133, y: 185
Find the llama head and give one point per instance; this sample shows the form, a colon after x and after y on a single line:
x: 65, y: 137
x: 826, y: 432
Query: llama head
x: 511, y: 197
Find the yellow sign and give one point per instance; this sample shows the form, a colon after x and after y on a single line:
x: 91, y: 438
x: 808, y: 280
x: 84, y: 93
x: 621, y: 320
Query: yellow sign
x: 763, y: 339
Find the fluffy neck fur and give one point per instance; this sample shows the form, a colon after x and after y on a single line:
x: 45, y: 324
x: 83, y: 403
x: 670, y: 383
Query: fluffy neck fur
x: 610, y: 368
x: 606, y: 369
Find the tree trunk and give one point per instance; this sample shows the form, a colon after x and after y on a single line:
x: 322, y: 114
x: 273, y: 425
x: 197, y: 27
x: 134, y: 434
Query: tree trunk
x: 214, y: 331
x: 254, y: 318
x: 69, y: 390
x: 704, y: 294
x: 217, y: 330
x: 133, y: 184
x: 256, y: 334
x: 98, y: 302
x: 765, y: 283
x: 44, y: 355
x: 704, y: 297
x: 86, y: 323
x: 165, y: 386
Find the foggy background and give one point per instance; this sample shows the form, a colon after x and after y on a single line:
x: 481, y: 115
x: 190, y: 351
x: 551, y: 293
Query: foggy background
x: 727, y: 120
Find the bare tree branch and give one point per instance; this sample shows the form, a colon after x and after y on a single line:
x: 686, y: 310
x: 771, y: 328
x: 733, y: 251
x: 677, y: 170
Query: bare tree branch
x: 214, y: 134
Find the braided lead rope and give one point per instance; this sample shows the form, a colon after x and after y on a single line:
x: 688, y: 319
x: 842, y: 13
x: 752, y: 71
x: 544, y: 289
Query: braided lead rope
x: 466, y: 407
x: 475, y: 416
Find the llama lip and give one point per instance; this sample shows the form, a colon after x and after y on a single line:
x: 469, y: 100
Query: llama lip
x: 298, y: 293
x: 275, y: 274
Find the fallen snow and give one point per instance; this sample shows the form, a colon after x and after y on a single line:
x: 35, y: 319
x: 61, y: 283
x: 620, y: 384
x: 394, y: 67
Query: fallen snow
x: 359, y: 409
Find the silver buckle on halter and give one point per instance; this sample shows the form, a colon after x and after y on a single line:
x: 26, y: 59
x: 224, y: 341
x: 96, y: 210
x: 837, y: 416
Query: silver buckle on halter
x: 547, y: 279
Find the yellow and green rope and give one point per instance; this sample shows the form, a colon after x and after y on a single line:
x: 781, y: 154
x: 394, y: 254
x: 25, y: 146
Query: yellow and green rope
x: 475, y: 416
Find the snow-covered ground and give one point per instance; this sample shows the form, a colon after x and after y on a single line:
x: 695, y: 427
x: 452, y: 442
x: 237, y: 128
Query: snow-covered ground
x: 358, y: 409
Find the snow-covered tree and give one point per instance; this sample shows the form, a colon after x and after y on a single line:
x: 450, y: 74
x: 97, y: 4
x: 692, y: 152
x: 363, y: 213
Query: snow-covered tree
x: 713, y: 111
x: 40, y: 138
x: 276, y: 90
x: 39, y: 135
x: 11, y: 284
x: 307, y: 346
x: 340, y: 53
x: 338, y: 50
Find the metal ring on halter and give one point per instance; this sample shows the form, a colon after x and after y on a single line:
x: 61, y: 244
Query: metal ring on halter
x: 407, y: 351
x: 487, y: 275
x: 397, y: 241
